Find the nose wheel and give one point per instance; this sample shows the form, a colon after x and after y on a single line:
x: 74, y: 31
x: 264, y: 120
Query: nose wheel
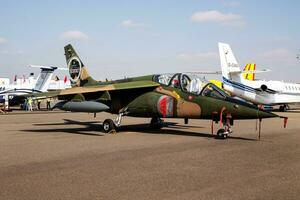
x: 222, y: 134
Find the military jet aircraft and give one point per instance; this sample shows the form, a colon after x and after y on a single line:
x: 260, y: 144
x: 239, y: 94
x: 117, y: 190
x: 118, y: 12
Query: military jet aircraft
x: 157, y: 96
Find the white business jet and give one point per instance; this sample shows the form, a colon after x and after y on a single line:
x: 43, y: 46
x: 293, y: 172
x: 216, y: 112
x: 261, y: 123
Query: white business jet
x: 256, y: 91
x: 14, y: 93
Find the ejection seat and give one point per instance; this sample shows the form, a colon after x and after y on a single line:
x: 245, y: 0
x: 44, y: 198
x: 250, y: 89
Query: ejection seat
x: 195, y: 86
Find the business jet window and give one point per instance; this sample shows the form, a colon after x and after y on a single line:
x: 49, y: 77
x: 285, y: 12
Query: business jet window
x: 210, y: 90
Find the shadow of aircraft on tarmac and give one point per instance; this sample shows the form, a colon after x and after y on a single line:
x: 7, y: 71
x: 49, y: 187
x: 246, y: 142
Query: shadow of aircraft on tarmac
x: 93, y: 128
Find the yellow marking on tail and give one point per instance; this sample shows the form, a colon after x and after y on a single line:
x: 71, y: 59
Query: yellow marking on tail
x: 250, y: 76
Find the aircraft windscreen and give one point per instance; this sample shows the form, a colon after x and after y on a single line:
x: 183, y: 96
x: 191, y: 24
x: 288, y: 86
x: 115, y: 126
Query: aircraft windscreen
x: 210, y: 90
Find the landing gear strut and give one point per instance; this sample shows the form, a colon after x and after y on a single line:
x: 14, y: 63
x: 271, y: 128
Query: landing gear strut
x: 156, y: 123
x: 226, y: 130
x: 109, y: 126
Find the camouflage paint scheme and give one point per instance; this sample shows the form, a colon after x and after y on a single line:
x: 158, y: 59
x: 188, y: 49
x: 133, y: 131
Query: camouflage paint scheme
x: 145, y: 97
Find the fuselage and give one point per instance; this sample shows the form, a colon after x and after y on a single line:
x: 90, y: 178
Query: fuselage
x: 174, y: 97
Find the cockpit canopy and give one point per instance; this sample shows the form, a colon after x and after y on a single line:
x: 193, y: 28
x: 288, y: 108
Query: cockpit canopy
x: 190, y: 83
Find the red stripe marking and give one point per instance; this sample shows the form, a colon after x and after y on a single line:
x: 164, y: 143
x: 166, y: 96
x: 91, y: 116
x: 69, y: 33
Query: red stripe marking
x: 163, y: 106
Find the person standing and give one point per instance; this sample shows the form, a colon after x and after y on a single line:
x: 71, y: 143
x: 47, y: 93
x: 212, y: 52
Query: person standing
x: 25, y: 105
x: 29, y: 102
x: 39, y: 104
x: 48, y: 104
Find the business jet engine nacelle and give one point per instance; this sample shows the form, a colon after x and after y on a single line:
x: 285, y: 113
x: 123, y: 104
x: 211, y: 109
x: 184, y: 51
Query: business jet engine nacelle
x: 263, y: 87
x: 275, y: 86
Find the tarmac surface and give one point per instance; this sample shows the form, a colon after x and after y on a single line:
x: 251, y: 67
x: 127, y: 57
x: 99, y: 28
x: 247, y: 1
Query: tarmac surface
x: 60, y: 155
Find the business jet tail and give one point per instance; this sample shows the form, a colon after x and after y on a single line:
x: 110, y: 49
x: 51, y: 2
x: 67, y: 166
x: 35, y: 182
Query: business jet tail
x: 229, y: 65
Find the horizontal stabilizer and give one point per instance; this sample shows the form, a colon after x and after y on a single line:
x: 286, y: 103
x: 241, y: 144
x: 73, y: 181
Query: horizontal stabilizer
x: 255, y: 71
x: 48, y: 67
x: 252, y: 72
x: 205, y: 72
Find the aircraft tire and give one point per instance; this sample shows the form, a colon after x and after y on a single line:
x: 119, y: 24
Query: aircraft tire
x: 108, y: 125
x: 156, y: 123
x: 221, y: 134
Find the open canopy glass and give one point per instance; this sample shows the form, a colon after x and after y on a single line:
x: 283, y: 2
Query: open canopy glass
x: 190, y: 83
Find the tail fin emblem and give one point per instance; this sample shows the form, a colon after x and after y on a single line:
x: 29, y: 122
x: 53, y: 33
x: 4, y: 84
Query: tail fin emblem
x: 75, y: 67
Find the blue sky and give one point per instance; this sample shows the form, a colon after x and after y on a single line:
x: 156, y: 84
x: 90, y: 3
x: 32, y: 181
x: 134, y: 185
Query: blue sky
x: 118, y: 38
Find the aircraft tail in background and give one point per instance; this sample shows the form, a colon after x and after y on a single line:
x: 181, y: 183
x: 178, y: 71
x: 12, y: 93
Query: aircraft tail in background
x: 229, y: 65
x: 44, y: 78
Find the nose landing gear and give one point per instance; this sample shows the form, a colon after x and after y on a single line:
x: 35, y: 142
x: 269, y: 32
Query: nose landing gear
x: 226, y: 122
x: 224, y: 132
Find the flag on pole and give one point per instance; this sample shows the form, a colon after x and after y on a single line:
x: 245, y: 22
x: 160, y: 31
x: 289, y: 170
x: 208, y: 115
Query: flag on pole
x: 65, y: 79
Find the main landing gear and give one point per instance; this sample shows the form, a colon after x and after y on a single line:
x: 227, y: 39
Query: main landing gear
x: 156, y: 123
x: 110, y: 126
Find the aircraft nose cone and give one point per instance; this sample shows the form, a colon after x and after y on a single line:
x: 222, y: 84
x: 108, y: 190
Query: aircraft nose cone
x: 245, y: 111
x: 264, y: 114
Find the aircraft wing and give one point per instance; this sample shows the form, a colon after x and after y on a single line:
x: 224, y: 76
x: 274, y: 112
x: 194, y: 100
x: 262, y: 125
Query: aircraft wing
x: 43, y: 95
x: 91, y: 106
x: 97, y: 88
x: 110, y: 87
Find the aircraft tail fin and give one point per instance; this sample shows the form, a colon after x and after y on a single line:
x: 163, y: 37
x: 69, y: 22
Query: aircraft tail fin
x: 44, y: 78
x: 229, y: 65
x: 79, y: 75
x: 249, y: 76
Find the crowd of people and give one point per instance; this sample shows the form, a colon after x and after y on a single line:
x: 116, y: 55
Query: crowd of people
x: 31, y: 104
